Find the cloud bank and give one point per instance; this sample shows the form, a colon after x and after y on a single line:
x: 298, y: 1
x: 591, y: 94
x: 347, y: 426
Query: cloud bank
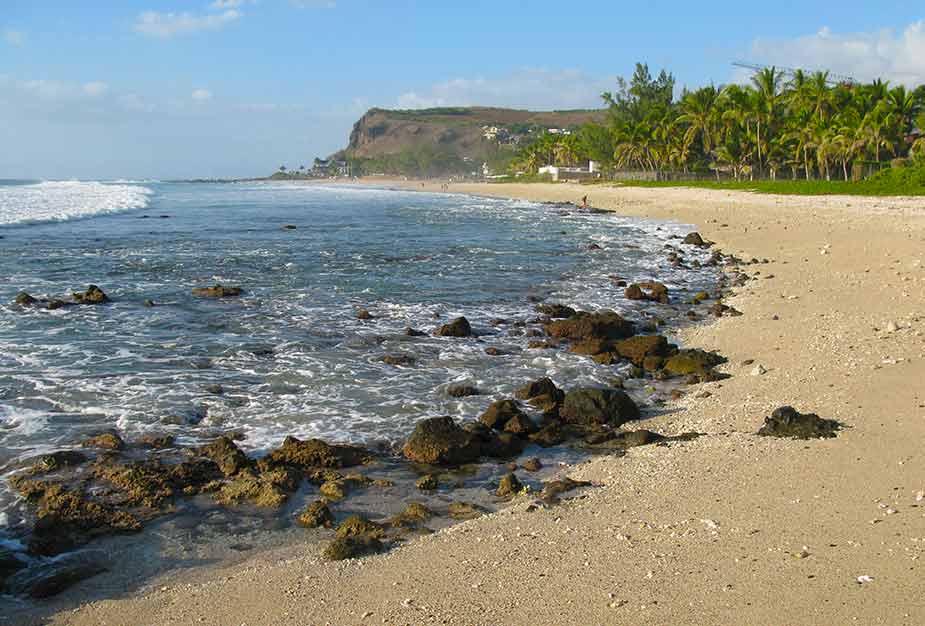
x: 166, y: 25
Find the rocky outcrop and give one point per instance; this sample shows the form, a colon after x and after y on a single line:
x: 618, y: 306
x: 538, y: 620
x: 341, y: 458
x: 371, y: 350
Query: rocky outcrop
x: 584, y: 326
x: 499, y: 413
x: 695, y: 361
x: 509, y: 486
x: 647, y: 290
x: 556, y: 310
x: 316, y: 514
x: 461, y: 391
x: 104, y: 441
x: 217, y: 291
x: 598, y: 406
x: 459, y: 327
x: 440, y: 441
x: 226, y: 454
x: 93, y: 295
x: 636, y: 349
x: 317, y: 453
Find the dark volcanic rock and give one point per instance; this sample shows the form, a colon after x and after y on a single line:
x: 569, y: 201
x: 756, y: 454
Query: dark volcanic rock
x: 440, y: 441
x: 57, y: 460
x: 550, y: 435
x: 461, y: 391
x: 637, y: 348
x: 499, y: 413
x: 24, y: 299
x: 93, y: 295
x: 598, y: 406
x: 788, y: 422
x: 411, y: 332
x: 599, y: 325
x: 694, y: 239
x: 556, y: 310
x: 317, y: 453
x: 457, y: 328
x: 217, y: 291
x: 520, y: 425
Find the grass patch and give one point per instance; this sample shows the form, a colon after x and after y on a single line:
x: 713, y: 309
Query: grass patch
x: 903, y: 181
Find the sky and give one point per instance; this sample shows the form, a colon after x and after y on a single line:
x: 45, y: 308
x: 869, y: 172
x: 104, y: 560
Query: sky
x: 221, y: 88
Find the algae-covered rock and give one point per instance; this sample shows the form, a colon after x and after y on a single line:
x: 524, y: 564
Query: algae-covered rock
x: 636, y: 349
x: 428, y: 482
x: 352, y: 547
x: 459, y: 327
x: 599, y: 325
x: 598, y: 406
x: 59, y: 459
x: 357, y: 526
x: 338, y: 489
x: 414, y: 516
x: 266, y: 489
x: 539, y: 387
x: 105, y: 441
x: 24, y: 299
x: 788, y: 422
x: 217, y: 291
x: 398, y: 360
x: 695, y: 361
x: 465, y: 510
x: 591, y: 347
x: 317, y: 453
x: 499, y: 413
x: 440, y: 441
x: 509, y: 486
x: 316, y: 514
x: 226, y: 454
x: 532, y: 464
x: 550, y: 435
x: 520, y: 425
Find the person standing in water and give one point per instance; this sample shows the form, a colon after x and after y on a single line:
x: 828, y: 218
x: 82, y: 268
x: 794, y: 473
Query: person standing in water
x: 584, y: 202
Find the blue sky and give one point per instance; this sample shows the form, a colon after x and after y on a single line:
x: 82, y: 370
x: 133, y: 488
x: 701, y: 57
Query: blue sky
x: 156, y: 88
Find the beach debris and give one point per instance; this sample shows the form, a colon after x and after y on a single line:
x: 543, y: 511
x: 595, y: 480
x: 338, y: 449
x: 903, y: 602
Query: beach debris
x: 710, y: 524
x: 440, y: 441
x: 217, y: 291
x: 459, y: 327
x: 865, y: 579
x: 892, y: 327
x: 759, y: 370
x: 919, y: 496
x: 787, y: 422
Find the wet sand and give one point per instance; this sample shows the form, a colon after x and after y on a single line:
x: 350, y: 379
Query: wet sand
x: 728, y: 529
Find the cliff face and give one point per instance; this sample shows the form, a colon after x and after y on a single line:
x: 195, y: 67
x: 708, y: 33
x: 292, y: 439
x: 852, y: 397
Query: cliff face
x: 456, y: 130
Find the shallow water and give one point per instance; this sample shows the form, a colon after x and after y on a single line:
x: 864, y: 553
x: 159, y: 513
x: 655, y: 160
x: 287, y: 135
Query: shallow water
x: 291, y: 355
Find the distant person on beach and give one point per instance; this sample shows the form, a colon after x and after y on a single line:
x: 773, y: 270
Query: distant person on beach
x: 584, y: 202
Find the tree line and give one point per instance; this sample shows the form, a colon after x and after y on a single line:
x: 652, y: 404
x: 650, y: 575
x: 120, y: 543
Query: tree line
x: 801, y: 125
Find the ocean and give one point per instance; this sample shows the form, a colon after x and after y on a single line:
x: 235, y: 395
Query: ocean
x: 291, y: 355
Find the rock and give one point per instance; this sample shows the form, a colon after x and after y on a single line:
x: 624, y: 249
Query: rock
x: 759, y: 370
x: 788, y: 422
x: 289, y: 227
x: 217, y: 291
x: 520, y: 425
x: 556, y: 310
x: 598, y: 406
x: 266, y: 489
x: 105, y: 441
x: 493, y: 351
x: 892, y: 327
x: 461, y: 391
x: 500, y: 445
x: 414, y: 515
x: 465, y: 510
x: 51, y: 577
x: 692, y: 362
x: 24, y: 299
x: 641, y: 437
x: 509, y: 486
x: 93, y: 295
x: 499, y: 413
x: 699, y: 297
x: 317, y: 453
x: 226, y: 454
x: 554, y: 488
x: 634, y: 292
x: 363, y: 314
x: 592, y: 247
x: 398, y: 360
x: 550, y: 435
x: 10, y: 563
x: 316, y: 514
x: 58, y: 460
x: 532, y: 465
x: 155, y: 441
x: 352, y: 547
x: 591, y: 347
x: 411, y: 332
x: 694, y: 239
x: 440, y: 441
x: 600, y: 325
x: 457, y: 328
x: 655, y: 291
x: 637, y: 348
x: 539, y: 387
x: 358, y: 526
x: 428, y: 482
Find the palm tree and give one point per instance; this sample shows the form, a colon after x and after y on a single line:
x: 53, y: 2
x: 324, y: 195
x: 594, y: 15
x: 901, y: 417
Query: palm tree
x: 699, y: 110
x: 767, y: 84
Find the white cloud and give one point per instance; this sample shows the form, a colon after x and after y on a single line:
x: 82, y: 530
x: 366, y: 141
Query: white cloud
x: 96, y: 88
x: 169, y: 24
x: 201, y: 95
x: 313, y: 4
x: 528, y: 88
x: 13, y: 37
x: 230, y: 4
x: 895, y: 56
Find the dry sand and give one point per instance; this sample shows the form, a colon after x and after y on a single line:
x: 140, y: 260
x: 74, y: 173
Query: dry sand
x: 729, y: 529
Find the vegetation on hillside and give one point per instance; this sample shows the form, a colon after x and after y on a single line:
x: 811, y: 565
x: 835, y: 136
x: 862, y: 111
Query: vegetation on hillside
x: 804, y: 127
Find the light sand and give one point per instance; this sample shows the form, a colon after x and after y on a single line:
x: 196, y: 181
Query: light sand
x: 729, y: 529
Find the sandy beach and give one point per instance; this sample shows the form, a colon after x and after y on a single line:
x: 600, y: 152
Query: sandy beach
x: 731, y: 528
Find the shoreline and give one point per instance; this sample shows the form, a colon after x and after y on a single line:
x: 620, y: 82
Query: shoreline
x: 644, y: 545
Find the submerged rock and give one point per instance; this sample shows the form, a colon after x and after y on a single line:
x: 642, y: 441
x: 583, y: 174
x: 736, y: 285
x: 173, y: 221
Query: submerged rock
x: 440, y: 441
x: 51, y: 577
x: 24, y: 299
x: 316, y: 514
x: 465, y: 510
x: 459, y: 327
x: 556, y: 310
x: 217, y: 291
x: 427, y: 482
x: 106, y: 441
x: 402, y: 360
x: 461, y: 391
x: 788, y: 422
x: 598, y: 406
x: 93, y: 295
x: 599, y: 325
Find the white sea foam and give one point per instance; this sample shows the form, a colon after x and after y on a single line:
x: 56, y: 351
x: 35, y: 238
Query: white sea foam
x: 65, y: 200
